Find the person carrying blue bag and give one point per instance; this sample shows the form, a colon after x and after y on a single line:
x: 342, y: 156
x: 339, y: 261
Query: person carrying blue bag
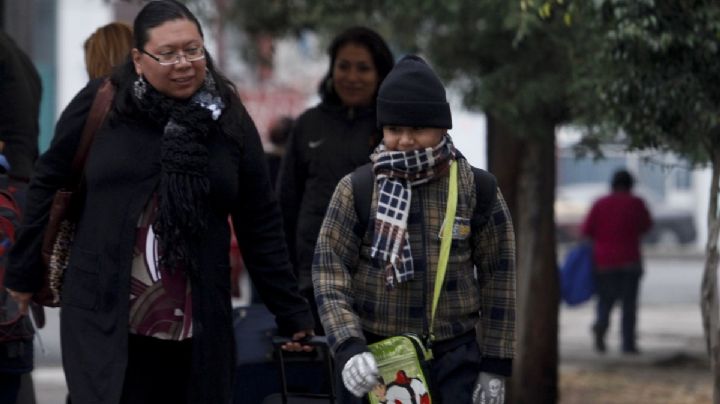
x: 615, y: 225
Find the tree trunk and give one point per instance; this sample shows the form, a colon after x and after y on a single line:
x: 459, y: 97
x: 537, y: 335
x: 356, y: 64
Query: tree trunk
x: 502, y: 145
x: 709, y: 288
x: 529, y: 185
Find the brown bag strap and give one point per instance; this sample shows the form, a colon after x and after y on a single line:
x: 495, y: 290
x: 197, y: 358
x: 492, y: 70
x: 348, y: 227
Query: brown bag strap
x: 98, y: 111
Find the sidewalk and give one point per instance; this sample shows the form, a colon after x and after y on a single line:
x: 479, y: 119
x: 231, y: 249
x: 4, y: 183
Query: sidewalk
x: 663, y: 332
x: 50, y: 385
x: 673, y: 366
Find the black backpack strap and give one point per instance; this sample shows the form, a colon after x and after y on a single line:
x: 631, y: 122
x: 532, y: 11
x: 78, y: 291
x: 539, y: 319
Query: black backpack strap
x: 363, y: 181
x: 485, y: 197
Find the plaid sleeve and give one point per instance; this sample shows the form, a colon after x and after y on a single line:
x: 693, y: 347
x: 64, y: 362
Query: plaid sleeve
x: 494, y: 258
x: 336, y: 255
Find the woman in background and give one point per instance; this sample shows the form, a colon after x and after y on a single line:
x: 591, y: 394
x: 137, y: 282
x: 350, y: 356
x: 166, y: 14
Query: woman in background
x: 106, y: 48
x: 329, y: 141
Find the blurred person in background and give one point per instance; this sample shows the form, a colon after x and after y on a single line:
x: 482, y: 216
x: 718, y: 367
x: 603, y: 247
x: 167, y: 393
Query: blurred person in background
x: 146, y: 315
x: 329, y: 141
x: 615, y: 224
x: 20, y: 90
x: 107, y: 47
x: 278, y: 135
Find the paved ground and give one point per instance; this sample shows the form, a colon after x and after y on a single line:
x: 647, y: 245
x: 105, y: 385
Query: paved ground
x: 672, y: 368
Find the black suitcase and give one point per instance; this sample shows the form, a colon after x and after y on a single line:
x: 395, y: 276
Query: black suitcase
x: 256, y: 371
x: 322, y: 352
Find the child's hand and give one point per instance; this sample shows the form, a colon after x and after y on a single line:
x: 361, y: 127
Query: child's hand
x: 489, y: 389
x: 360, y: 374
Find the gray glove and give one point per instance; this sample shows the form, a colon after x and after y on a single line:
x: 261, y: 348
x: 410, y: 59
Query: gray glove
x: 360, y: 374
x: 489, y: 389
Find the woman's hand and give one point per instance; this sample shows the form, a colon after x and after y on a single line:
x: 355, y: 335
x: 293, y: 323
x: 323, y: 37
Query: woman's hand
x: 22, y: 299
x: 296, y: 345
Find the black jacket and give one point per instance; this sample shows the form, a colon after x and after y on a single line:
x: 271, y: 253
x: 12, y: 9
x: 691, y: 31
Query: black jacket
x: 122, y: 172
x: 20, y: 90
x: 327, y: 142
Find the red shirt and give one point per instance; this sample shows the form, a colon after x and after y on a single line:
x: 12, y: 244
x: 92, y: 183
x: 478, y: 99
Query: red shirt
x: 616, y: 223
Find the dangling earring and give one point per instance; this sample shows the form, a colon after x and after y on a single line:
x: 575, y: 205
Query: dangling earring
x: 139, y: 87
x: 209, y: 81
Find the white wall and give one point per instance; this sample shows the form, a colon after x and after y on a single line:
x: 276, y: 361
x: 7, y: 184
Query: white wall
x: 77, y: 20
x: 469, y: 131
x: 469, y: 134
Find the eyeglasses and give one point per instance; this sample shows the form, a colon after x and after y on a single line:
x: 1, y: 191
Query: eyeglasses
x: 169, y: 59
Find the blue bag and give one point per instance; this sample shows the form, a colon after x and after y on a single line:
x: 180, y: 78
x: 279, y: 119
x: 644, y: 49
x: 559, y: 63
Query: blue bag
x: 576, y: 275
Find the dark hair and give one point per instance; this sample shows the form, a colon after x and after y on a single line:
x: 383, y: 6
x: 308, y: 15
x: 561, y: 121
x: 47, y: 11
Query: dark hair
x: 151, y: 16
x: 157, y: 13
x: 375, y: 44
x: 622, y: 180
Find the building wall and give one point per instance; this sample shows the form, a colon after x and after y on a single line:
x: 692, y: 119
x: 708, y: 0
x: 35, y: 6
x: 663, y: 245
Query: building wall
x: 76, y: 21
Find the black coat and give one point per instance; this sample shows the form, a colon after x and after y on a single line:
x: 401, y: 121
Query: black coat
x: 20, y: 90
x: 122, y: 172
x: 327, y: 143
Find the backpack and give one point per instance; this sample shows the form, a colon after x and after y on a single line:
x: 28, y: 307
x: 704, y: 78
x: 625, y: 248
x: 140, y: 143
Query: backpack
x: 9, y: 221
x: 363, y: 182
x: 13, y: 326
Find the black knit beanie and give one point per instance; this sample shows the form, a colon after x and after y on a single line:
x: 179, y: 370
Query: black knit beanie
x: 412, y: 95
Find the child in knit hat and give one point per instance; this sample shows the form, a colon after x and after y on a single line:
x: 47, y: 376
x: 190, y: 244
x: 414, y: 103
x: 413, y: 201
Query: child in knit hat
x: 378, y: 282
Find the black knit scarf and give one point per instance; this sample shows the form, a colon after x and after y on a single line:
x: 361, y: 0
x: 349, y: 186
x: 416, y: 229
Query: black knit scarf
x: 184, y: 184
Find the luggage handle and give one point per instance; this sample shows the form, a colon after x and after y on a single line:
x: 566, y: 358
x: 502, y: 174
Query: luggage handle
x: 315, y: 341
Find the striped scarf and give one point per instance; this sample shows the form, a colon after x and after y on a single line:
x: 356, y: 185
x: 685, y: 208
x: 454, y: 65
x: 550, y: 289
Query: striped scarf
x: 396, y: 172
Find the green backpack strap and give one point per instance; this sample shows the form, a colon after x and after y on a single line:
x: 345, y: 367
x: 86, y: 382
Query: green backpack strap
x: 445, y: 243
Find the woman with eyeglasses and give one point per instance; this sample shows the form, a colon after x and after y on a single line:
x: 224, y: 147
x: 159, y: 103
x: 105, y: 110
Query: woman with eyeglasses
x: 146, y: 314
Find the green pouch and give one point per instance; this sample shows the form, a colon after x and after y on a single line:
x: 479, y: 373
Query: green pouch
x: 401, y: 362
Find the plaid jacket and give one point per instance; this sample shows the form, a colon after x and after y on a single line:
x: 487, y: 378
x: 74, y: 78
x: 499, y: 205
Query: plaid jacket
x: 350, y: 288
